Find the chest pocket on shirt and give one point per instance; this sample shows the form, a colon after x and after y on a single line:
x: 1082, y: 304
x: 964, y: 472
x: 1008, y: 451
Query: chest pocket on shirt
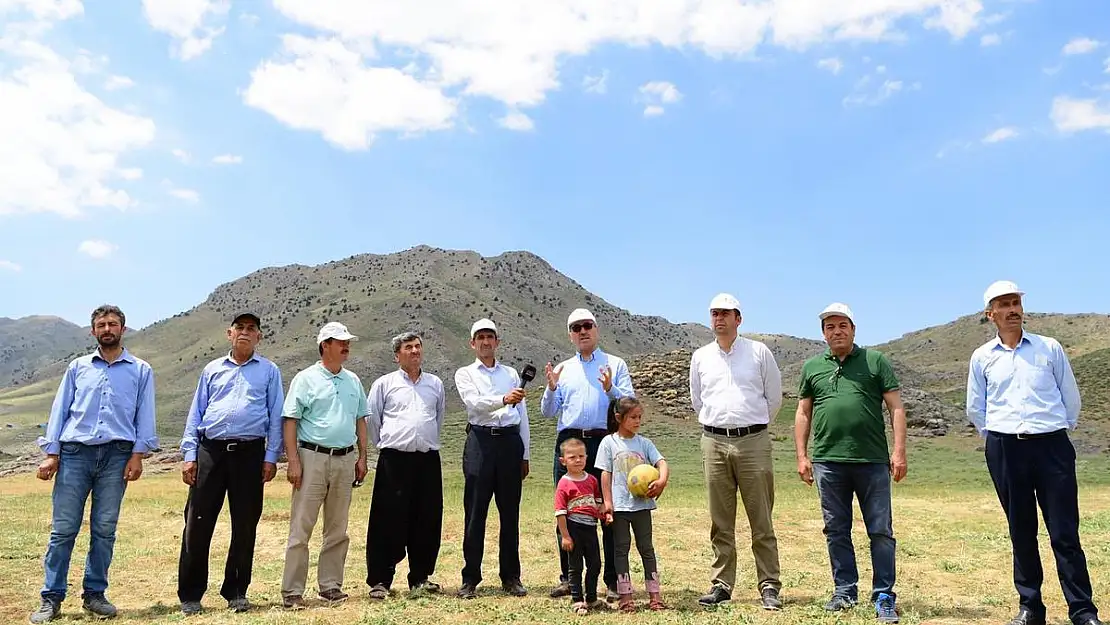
x: 1038, y: 372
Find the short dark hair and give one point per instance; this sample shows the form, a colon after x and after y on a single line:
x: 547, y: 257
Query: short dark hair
x: 321, y: 346
x: 570, y: 442
x: 403, y: 338
x: 108, y: 309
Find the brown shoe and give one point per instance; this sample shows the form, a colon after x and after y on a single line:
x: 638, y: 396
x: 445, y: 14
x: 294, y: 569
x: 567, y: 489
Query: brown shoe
x: 294, y: 602
x: 333, y: 595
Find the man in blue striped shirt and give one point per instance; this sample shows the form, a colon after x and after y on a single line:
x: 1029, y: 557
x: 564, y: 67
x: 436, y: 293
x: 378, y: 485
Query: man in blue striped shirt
x: 230, y: 446
x: 101, y: 426
x: 1023, y: 399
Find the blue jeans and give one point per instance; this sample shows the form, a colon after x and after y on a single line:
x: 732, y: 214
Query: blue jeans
x: 836, y: 483
x: 85, y: 469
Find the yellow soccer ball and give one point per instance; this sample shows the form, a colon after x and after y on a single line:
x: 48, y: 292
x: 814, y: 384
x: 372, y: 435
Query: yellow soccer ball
x: 640, y: 477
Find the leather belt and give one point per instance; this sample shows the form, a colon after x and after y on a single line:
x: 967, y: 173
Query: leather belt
x: 735, y: 432
x: 1028, y: 436
x: 229, y: 444
x: 494, y: 430
x: 331, y: 451
x: 580, y: 433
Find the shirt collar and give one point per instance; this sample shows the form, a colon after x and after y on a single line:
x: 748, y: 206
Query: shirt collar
x: 325, y: 371
x: 480, y: 365
x: 996, y: 342
x: 830, y: 356
x: 253, y: 358
x: 597, y: 352
x: 125, y: 356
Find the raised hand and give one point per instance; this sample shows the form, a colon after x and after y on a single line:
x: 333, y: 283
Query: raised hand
x: 606, y: 378
x: 552, y: 375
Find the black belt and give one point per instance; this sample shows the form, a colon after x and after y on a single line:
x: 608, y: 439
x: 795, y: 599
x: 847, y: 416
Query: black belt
x: 735, y: 432
x: 494, y: 430
x: 331, y: 451
x: 1023, y: 437
x: 580, y: 433
x: 229, y: 444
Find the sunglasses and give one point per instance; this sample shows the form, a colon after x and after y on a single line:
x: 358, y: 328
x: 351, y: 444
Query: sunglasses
x: 582, y: 326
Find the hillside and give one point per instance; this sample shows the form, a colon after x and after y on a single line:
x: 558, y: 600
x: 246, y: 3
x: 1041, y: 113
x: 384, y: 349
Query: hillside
x: 28, y: 344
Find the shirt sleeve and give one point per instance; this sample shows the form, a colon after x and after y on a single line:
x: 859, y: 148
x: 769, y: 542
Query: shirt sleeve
x: 887, y: 376
x: 560, y: 499
x: 294, y: 407
x: 441, y: 406
x: 275, y: 399
x: 976, y: 404
x: 190, y: 438
x: 525, y: 433
x: 552, y: 401
x: 59, y: 412
x: 652, y: 453
x: 146, y: 430
x: 1065, y: 380
x: 772, y: 382
x: 605, y: 455
x: 375, y: 405
x: 363, y: 405
x: 473, y: 400
x: 622, y: 381
x: 805, y: 385
x: 695, y: 384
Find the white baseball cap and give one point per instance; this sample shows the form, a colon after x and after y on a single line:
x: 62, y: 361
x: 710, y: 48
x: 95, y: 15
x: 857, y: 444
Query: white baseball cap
x: 724, y: 301
x: 999, y: 288
x: 482, y: 324
x: 334, y: 330
x: 580, y: 314
x: 837, y: 309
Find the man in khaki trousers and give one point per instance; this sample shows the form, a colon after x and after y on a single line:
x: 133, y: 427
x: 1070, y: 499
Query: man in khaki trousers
x: 324, y: 425
x: 736, y: 389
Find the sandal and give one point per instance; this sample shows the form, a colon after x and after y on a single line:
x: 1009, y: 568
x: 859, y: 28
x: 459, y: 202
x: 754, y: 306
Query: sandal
x: 628, y: 607
x: 657, y: 604
x: 580, y: 608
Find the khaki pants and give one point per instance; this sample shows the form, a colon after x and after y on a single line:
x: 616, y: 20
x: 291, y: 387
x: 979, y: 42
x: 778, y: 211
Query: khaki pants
x: 325, y: 480
x: 742, y: 463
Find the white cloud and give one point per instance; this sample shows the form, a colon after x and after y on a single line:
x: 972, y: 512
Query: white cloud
x: 653, y: 111
x: 8, y: 265
x: 832, y: 64
x: 190, y: 22
x: 130, y: 173
x: 657, y: 93
x: 515, y: 120
x: 1081, y: 45
x: 228, y: 159
x: 596, y: 84
x: 187, y: 195
x: 995, y: 18
x: 990, y: 39
x: 1074, y: 115
x: 97, y: 248
x: 1002, y: 134
x: 181, y: 155
x: 863, y: 95
x: 115, y: 83
x: 250, y: 19
x: 61, y: 144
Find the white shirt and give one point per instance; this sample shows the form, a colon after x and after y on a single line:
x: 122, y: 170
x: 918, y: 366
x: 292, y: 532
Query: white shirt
x: 483, y: 391
x: 737, y: 388
x: 404, y: 415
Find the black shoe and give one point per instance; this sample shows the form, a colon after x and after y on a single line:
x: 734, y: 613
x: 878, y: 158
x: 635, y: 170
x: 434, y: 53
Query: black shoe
x: 562, y: 590
x: 49, y: 609
x: 514, y: 588
x: 98, y: 606
x: 468, y: 591
x: 191, y: 608
x: 1025, y: 616
x: 333, y: 595
x: 239, y: 604
x: 770, y: 598
x: 1089, y: 619
x: 717, y: 595
x: 839, y: 603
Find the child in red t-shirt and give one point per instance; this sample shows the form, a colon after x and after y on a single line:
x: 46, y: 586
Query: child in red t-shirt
x: 578, y: 506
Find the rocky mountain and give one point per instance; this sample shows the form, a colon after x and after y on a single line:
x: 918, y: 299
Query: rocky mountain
x: 29, y: 344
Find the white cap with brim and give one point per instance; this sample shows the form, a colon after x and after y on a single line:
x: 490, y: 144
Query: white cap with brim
x: 837, y: 310
x: 998, y: 289
x: 724, y: 301
x: 334, y: 330
x: 580, y: 314
x: 482, y: 324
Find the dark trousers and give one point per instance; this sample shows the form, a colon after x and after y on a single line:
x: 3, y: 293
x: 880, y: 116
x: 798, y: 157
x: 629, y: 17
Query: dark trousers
x: 406, y: 516
x: 837, y: 483
x: 1032, y: 471
x: 238, y: 474
x: 610, y: 574
x: 491, y: 468
x: 585, y: 552
x: 624, y: 525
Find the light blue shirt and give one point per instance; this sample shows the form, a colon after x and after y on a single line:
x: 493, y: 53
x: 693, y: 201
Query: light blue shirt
x: 1028, y: 390
x: 618, y: 456
x: 234, y: 401
x: 99, y: 403
x: 579, y: 399
x: 326, y: 406
x: 406, y: 415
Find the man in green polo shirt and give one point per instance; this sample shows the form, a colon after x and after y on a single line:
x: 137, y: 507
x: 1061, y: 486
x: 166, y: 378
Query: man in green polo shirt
x: 842, y: 393
x: 325, y: 424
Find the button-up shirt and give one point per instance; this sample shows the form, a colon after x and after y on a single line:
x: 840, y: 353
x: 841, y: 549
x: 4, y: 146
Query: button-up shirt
x: 579, y: 400
x: 1028, y: 390
x: 326, y: 405
x: 483, y: 391
x: 737, y: 388
x: 406, y: 415
x: 99, y: 402
x: 234, y: 401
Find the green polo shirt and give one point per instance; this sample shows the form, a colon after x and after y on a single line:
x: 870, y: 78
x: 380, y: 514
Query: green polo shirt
x: 326, y: 405
x: 848, y: 423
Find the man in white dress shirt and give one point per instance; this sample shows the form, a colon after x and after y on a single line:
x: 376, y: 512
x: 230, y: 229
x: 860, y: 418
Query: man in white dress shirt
x: 736, y: 389
x: 406, y: 512
x: 495, y: 458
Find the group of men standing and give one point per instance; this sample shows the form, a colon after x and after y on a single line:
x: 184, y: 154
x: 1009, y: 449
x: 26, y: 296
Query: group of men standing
x: 1022, y: 397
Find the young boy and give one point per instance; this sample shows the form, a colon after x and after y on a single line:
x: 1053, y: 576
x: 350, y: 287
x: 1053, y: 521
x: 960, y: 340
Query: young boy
x: 578, y: 506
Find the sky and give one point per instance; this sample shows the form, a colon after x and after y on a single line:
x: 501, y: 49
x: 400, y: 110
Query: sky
x: 895, y: 155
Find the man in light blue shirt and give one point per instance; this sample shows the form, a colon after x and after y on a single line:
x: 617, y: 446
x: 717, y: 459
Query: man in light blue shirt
x: 231, y: 444
x: 101, y: 426
x: 578, y: 392
x: 1023, y: 399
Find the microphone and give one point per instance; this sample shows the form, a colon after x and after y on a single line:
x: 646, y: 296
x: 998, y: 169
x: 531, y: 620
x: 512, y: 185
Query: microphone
x: 527, y: 374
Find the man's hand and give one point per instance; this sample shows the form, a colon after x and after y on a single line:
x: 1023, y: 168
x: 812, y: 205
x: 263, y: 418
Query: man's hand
x: 552, y: 375
x: 134, y: 468
x: 805, y: 470
x: 898, y: 465
x: 568, y: 544
x: 269, y: 470
x: 189, y: 473
x: 606, y: 378
x: 513, y: 397
x: 47, y: 468
x: 293, y: 472
x: 524, y: 468
x: 360, y: 469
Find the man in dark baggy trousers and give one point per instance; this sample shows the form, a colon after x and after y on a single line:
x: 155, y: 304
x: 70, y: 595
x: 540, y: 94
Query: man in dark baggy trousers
x: 1023, y: 399
x: 230, y: 446
x: 495, y: 459
x: 406, y: 513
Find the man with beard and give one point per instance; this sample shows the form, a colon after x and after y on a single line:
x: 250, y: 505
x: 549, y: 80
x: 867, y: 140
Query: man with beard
x: 495, y: 458
x: 406, y: 511
x: 324, y: 424
x: 1023, y: 399
x: 101, y: 426
x: 230, y: 446
x: 736, y: 389
x: 579, y: 391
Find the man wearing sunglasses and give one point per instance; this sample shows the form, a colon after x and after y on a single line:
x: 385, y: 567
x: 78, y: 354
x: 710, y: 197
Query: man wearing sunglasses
x: 578, y: 391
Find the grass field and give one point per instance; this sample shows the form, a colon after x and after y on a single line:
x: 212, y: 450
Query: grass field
x: 953, y: 551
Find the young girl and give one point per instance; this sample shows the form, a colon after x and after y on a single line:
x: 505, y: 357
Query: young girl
x: 619, y: 452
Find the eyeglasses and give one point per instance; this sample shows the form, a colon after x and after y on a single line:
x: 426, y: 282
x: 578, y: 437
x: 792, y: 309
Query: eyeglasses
x: 578, y: 327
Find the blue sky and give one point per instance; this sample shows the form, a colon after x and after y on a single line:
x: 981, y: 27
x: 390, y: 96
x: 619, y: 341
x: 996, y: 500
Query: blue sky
x: 896, y: 157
